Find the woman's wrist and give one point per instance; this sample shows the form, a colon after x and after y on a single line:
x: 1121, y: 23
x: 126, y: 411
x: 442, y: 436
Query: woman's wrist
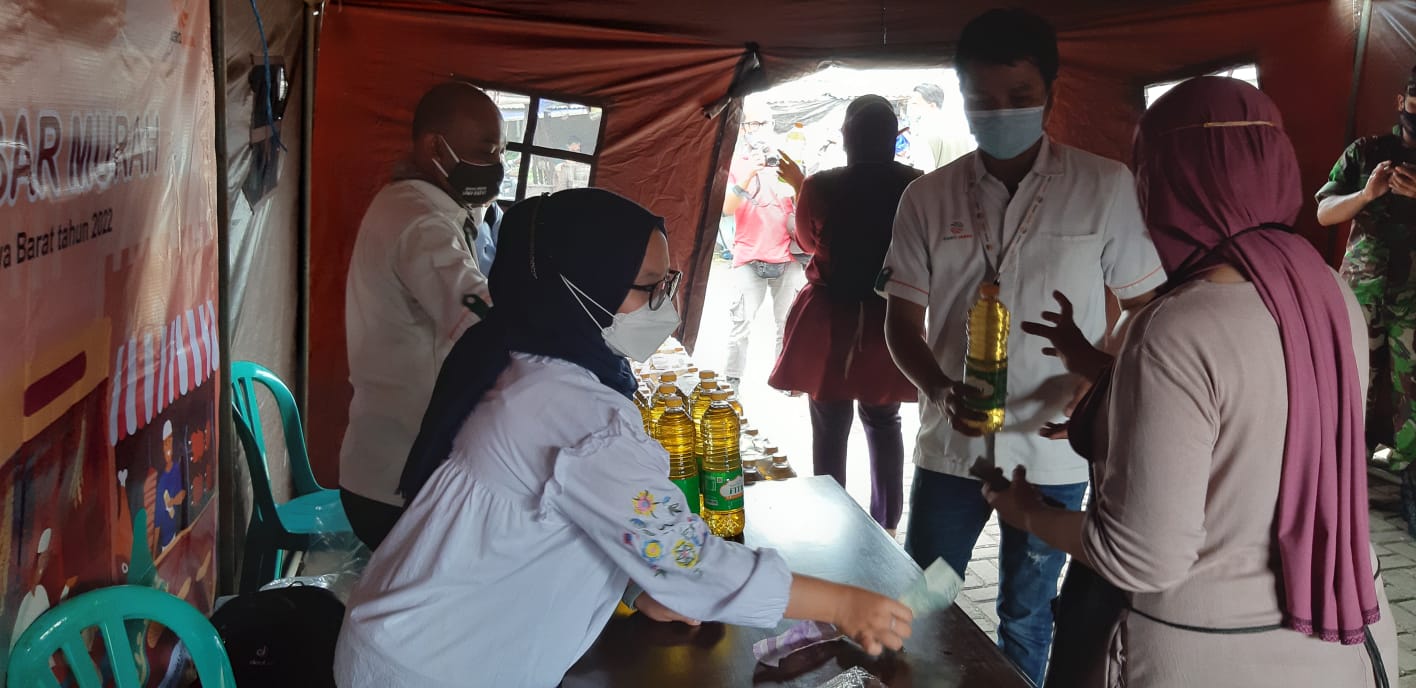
x: 1098, y: 362
x: 1032, y: 516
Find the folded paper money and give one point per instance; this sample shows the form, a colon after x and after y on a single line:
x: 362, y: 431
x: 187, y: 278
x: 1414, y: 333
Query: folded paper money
x: 935, y: 590
x: 771, y: 651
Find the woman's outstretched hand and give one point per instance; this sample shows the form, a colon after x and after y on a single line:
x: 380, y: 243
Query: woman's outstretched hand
x: 656, y: 610
x: 1018, y: 502
x: 873, y: 620
x: 1068, y: 343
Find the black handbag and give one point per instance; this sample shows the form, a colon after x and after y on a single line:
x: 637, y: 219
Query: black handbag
x: 768, y: 270
x: 1083, y: 613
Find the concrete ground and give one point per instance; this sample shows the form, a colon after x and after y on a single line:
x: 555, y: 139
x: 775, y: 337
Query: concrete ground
x: 786, y: 422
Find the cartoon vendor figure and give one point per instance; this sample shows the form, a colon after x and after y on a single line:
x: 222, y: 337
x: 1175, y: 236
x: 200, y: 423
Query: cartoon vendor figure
x: 35, y: 602
x: 171, y: 493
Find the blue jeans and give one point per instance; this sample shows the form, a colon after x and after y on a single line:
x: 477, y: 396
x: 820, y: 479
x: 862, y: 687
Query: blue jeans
x: 947, y: 514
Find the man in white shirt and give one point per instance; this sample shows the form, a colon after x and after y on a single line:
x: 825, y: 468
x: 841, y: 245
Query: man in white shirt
x: 1037, y: 217
x: 932, y: 145
x: 413, y: 288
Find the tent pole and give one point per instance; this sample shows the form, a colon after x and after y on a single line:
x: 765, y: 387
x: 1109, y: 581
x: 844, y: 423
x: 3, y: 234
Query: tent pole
x: 748, y: 76
x: 1361, y: 56
x: 302, y: 242
x: 1336, y: 240
x: 227, y: 474
x: 704, y: 247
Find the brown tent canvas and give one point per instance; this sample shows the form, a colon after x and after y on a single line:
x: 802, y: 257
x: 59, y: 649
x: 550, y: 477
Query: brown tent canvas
x: 654, y: 67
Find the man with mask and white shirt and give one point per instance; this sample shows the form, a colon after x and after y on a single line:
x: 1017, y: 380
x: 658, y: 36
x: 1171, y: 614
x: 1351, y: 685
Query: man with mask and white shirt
x: 764, y: 253
x: 931, y: 145
x: 413, y: 288
x: 1035, y: 217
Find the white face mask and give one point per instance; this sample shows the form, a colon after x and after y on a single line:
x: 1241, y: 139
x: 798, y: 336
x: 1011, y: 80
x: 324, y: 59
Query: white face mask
x: 1006, y: 134
x: 637, y: 334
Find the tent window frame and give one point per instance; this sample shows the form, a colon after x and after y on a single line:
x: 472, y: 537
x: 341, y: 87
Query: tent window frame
x: 1207, y: 69
x: 527, y: 149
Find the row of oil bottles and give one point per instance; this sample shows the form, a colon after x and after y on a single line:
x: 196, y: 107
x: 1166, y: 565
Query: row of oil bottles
x: 713, y: 452
x: 703, y: 432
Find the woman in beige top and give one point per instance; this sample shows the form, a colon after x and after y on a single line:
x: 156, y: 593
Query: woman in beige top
x: 1229, y: 514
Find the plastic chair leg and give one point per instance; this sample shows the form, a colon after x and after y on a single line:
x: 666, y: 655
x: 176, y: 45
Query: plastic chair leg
x: 259, y: 566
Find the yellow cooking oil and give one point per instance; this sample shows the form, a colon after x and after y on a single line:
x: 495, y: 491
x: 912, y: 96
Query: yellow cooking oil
x: 722, y: 479
x: 986, y: 366
x: 675, y: 432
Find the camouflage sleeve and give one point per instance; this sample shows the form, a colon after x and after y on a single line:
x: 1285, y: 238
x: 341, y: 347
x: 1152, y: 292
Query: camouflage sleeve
x: 1346, y: 175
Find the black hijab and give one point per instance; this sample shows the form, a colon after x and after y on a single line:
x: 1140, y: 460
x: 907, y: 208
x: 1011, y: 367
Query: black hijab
x: 595, y: 239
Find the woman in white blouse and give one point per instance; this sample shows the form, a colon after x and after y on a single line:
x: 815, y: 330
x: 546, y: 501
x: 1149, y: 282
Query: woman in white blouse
x: 535, y: 497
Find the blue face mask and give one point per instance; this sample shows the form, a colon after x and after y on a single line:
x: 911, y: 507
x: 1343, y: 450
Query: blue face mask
x: 1005, y: 134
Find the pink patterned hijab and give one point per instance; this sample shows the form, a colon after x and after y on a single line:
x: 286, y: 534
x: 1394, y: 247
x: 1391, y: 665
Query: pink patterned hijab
x: 1218, y: 183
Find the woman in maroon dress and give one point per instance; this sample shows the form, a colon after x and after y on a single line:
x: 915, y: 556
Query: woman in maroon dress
x: 834, y: 349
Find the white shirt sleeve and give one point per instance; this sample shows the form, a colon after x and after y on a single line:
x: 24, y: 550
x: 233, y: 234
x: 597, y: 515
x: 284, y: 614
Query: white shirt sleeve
x: 906, y: 273
x: 436, y: 267
x: 1129, y: 260
x: 614, y: 487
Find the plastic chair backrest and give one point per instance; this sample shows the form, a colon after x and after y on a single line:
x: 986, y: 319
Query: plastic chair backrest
x: 262, y: 498
x: 60, y: 628
x: 245, y: 375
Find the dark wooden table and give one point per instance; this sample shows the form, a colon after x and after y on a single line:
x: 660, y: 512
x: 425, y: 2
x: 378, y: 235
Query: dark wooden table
x: 822, y: 532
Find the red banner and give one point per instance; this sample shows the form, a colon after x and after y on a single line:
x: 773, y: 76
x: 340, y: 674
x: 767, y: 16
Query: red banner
x: 108, y: 265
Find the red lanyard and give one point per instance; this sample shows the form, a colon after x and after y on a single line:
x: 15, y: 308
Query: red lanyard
x: 995, y: 269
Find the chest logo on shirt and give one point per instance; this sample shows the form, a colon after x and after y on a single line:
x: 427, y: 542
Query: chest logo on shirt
x: 957, y: 231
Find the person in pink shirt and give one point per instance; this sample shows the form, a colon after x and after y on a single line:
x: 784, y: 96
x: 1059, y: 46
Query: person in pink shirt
x: 763, y: 212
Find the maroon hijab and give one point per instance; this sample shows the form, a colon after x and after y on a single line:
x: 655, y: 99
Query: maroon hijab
x: 1218, y: 182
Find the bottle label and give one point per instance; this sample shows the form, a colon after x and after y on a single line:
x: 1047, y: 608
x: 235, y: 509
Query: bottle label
x: 991, y: 380
x: 689, y: 487
x: 722, y: 490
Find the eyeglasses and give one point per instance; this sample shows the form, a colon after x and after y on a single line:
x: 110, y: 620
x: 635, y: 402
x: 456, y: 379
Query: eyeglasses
x: 660, y: 291
x: 754, y: 124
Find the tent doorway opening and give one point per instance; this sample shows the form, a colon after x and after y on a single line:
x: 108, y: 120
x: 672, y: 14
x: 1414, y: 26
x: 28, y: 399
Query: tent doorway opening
x: 749, y: 296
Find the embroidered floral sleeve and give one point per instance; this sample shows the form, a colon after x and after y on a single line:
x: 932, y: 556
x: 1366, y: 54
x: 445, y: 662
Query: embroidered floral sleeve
x: 664, y: 532
x: 614, y: 487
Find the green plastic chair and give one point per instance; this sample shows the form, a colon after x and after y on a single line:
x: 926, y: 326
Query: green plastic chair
x: 142, y: 570
x: 110, y: 609
x: 314, y: 510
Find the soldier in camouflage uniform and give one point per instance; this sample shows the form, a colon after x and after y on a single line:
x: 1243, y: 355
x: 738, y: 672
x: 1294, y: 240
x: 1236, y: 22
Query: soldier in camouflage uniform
x: 1374, y: 185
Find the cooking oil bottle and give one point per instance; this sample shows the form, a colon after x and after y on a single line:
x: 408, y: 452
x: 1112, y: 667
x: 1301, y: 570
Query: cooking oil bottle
x: 675, y: 432
x: 733, y: 400
x: 722, y: 479
x: 672, y: 379
x: 986, y: 367
x: 707, y: 381
x: 697, y: 406
x: 781, y: 468
x: 699, y: 400
x: 641, y: 402
x: 659, y: 403
x: 795, y: 145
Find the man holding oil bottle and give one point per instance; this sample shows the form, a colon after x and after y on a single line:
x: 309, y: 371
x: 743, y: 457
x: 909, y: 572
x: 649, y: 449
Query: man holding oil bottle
x: 1001, y: 230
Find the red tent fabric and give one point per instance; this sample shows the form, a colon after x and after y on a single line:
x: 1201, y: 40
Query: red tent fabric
x: 654, y: 66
